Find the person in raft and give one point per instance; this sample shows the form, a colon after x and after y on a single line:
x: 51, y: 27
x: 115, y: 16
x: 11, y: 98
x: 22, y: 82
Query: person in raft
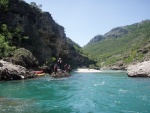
x: 55, y: 68
x: 59, y: 62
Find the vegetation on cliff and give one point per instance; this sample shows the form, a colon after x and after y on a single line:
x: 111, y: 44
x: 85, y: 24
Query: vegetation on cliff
x: 10, y: 39
x: 121, y: 46
x: 24, y: 25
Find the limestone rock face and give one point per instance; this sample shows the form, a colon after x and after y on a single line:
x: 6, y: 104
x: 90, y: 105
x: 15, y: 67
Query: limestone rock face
x: 46, y: 38
x: 96, y: 39
x: 119, y: 66
x: 139, y: 70
x: 9, y: 71
x: 76, y: 58
x: 116, y: 32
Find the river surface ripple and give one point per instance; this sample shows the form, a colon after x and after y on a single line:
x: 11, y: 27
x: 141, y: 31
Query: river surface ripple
x: 104, y: 92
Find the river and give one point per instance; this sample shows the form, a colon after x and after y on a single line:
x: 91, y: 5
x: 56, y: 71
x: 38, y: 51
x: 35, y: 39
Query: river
x: 104, y: 92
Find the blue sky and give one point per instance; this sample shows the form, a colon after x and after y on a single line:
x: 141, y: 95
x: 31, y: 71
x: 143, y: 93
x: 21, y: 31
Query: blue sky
x: 84, y: 19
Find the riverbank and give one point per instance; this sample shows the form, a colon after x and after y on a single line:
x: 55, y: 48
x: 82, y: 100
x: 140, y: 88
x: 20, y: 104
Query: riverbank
x: 86, y: 70
x: 10, y: 71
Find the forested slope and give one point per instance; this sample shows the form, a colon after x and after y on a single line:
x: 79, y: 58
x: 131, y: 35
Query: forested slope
x: 121, y: 46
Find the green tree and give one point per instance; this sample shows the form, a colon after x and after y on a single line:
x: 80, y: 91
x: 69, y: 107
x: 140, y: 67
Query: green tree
x: 33, y: 4
x: 5, y: 49
x: 4, y: 5
x: 49, y: 61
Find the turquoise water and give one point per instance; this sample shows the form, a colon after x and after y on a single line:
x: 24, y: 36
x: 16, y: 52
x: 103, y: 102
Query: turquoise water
x: 107, y: 92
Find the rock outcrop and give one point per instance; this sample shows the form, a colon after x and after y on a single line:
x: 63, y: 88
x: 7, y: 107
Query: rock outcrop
x: 116, y: 32
x: 96, y: 39
x: 119, y: 66
x: 139, y: 70
x: 60, y: 74
x: 9, y: 71
x: 46, y: 38
x: 24, y: 58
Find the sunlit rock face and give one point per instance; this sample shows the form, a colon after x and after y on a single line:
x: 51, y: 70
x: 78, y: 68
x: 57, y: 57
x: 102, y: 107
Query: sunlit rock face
x: 139, y: 70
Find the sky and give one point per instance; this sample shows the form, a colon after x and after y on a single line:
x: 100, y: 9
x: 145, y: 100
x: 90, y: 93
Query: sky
x: 84, y: 19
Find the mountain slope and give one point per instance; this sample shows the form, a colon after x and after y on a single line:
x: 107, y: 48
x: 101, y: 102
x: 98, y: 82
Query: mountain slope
x: 30, y: 28
x: 122, y: 46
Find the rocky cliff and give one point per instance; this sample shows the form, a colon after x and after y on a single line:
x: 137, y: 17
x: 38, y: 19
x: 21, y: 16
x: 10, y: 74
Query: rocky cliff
x: 97, y: 38
x: 117, y: 32
x: 114, y: 33
x: 46, y: 38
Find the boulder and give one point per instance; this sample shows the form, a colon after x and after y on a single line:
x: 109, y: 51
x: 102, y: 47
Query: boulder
x: 9, y: 71
x: 60, y: 74
x: 24, y: 58
x: 139, y: 70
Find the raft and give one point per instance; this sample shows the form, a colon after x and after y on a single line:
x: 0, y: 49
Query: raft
x: 38, y: 72
x: 41, y: 74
